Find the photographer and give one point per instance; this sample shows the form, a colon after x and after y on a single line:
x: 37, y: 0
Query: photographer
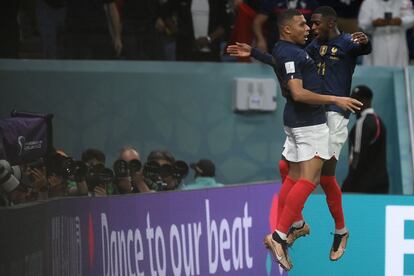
x: 92, y: 157
x: 128, y: 173
x: 35, y: 172
x: 162, y: 172
x: 74, y: 178
x: 56, y: 174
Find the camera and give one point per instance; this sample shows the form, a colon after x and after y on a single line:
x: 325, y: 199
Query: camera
x: 155, y: 174
x: 123, y: 168
x: 66, y: 167
x: 10, y: 176
x: 99, y: 175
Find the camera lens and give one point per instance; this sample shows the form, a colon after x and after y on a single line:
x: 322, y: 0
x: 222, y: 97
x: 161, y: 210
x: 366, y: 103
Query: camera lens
x: 166, y: 170
x: 134, y: 166
x: 80, y: 170
x: 8, y: 181
x: 180, y: 169
x: 121, y: 168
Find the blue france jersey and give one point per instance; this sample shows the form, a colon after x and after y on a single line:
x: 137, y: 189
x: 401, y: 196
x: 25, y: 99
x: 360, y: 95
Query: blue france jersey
x: 292, y: 62
x: 335, y: 61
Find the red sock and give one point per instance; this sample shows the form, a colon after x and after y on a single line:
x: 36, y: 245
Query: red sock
x: 283, y: 169
x: 334, y: 199
x: 283, y: 193
x: 294, y: 204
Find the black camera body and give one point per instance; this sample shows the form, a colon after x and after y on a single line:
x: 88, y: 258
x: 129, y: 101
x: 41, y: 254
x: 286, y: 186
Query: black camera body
x: 99, y: 175
x: 68, y: 168
x: 123, y: 168
x: 154, y: 173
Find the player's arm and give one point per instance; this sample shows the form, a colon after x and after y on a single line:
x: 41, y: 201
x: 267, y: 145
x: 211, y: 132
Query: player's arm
x: 361, y: 45
x: 300, y: 94
x: 245, y: 50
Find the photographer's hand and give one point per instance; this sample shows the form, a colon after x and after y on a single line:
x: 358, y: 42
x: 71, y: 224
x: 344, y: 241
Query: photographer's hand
x: 39, y: 179
x: 54, y: 181
x: 124, y: 185
x: 82, y: 187
x: 100, y: 191
x: 139, y: 183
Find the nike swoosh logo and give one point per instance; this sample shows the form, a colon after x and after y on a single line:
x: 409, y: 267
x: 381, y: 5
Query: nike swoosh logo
x: 278, y: 257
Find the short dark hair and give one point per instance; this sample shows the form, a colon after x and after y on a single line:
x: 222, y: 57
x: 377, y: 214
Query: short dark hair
x: 204, y: 167
x: 156, y: 155
x: 362, y: 92
x: 287, y: 16
x: 326, y: 12
x: 91, y: 154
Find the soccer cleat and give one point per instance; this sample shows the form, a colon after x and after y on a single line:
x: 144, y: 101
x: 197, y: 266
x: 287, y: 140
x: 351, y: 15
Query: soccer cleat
x: 338, y: 246
x: 279, y: 251
x: 295, y: 233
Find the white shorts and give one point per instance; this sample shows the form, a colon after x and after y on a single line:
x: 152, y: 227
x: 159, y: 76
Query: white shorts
x: 304, y: 143
x: 338, y: 132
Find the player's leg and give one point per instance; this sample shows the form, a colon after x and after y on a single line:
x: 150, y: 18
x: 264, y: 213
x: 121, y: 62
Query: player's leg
x: 310, y: 145
x: 290, y: 173
x: 338, y: 133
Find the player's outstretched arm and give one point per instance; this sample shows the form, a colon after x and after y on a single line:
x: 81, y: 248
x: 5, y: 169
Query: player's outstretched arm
x: 300, y: 94
x: 245, y: 50
x: 239, y: 50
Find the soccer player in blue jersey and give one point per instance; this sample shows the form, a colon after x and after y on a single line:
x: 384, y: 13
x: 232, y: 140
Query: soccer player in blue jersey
x: 304, y: 119
x: 335, y: 54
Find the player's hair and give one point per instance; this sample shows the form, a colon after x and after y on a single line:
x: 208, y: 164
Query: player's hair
x: 286, y: 16
x: 326, y: 12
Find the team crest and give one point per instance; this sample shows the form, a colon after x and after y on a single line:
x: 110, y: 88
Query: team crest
x: 334, y: 50
x: 323, y: 50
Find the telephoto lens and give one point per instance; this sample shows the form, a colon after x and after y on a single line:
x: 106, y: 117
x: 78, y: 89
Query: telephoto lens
x: 121, y: 168
x: 134, y: 166
x: 80, y: 170
x: 180, y: 169
x: 9, y: 176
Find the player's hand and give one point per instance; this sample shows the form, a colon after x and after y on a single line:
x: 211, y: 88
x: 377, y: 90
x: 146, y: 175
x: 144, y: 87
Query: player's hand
x: 347, y: 103
x: 359, y: 38
x: 239, y: 50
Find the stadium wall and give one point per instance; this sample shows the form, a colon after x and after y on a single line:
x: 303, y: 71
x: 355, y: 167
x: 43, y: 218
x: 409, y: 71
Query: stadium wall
x: 215, y: 231
x: 183, y: 107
